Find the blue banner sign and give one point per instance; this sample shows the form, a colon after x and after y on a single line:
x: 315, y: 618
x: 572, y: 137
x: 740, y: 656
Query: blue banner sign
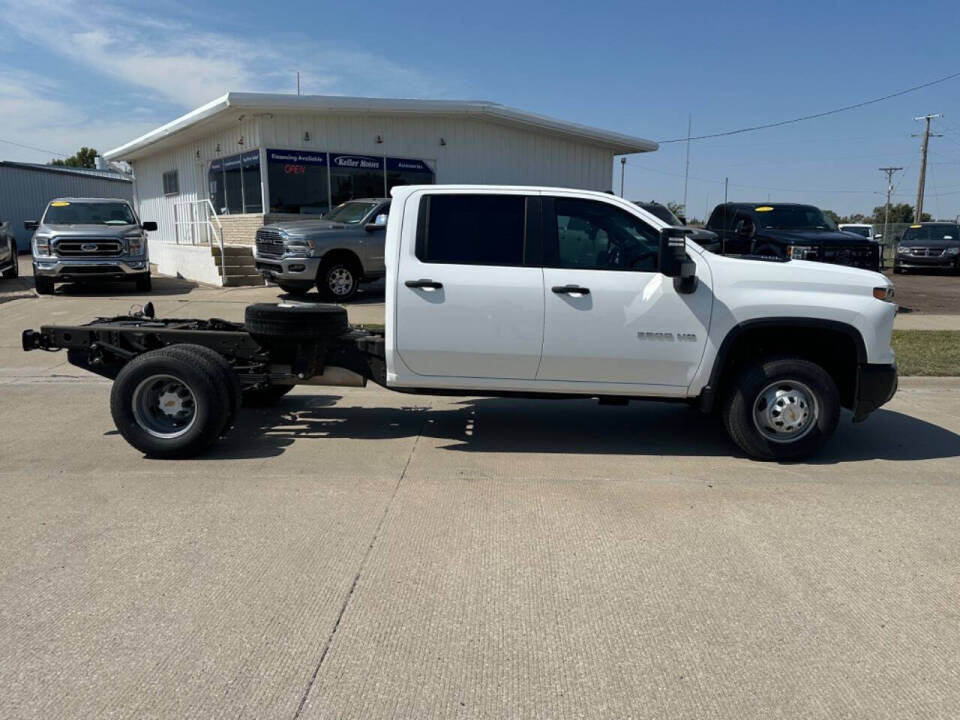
x: 356, y: 162
x: 296, y: 157
x: 405, y: 165
x: 250, y: 159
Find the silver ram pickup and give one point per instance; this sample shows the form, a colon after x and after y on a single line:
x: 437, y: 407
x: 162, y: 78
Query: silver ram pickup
x: 89, y: 239
x: 335, y: 252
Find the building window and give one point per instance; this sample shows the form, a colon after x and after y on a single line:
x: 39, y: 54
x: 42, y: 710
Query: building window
x: 408, y: 172
x: 298, y: 182
x: 472, y: 229
x: 355, y: 176
x: 234, y: 184
x: 171, y: 184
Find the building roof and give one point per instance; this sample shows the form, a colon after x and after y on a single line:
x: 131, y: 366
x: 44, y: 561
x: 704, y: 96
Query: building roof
x: 234, y: 105
x: 84, y: 172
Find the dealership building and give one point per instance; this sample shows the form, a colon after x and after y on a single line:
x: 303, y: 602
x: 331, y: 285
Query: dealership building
x: 216, y: 174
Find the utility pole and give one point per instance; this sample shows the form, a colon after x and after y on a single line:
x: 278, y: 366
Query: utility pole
x: 726, y: 183
x: 886, y: 216
x: 623, y: 170
x: 298, y: 82
x: 923, y: 163
x: 686, y: 170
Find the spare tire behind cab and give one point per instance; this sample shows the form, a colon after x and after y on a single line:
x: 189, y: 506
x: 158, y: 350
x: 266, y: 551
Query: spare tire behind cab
x: 295, y: 322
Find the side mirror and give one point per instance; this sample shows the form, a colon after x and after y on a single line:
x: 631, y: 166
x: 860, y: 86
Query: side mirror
x: 877, y: 236
x: 379, y: 223
x: 948, y: 237
x: 150, y: 226
x: 673, y: 259
x: 31, y: 224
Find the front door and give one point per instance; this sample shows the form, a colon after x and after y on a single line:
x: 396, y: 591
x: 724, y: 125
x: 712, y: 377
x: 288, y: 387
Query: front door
x: 469, y: 298
x: 610, y: 317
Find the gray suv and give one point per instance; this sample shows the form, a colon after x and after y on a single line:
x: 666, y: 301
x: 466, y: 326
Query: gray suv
x: 89, y: 239
x: 335, y: 252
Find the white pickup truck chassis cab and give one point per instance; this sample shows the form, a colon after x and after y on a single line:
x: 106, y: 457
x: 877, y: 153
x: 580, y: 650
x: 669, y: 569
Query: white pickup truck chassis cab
x: 541, y: 292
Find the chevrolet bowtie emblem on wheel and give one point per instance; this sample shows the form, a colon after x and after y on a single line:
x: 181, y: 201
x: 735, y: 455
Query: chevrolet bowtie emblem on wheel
x: 89, y: 247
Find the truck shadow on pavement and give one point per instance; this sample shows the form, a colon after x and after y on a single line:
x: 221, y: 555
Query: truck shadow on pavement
x: 497, y: 425
x: 161, y: 286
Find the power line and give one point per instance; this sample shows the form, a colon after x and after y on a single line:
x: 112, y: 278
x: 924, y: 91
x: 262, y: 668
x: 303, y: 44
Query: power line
x: 31, y: 147
x: 815, y: 115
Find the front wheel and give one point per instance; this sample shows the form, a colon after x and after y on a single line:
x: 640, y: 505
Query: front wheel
x: 144, y: 283
x: 782, y: 408
x: 338, y: 280
x: 44, y: 285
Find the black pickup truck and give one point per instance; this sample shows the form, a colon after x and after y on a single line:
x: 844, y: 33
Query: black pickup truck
x: 788, y: 230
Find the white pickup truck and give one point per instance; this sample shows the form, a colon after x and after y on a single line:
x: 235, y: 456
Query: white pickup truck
x: 540, y: 292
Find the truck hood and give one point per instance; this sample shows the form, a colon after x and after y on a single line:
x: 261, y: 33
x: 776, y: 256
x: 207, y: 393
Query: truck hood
x: 814, y: 237
x: 308, y: 227
x: 102, y: 231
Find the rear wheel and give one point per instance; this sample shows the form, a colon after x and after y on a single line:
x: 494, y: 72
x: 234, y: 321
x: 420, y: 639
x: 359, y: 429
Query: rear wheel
x: 217, y: 363
x: 44, y: 285
x: 166, y: 404
x: 14, y: 269
x: 339, y: 279
x: 782, y: 408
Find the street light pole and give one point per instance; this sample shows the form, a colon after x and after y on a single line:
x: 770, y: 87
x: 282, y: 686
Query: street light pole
x: 623, y: 170
x: 886, y: 216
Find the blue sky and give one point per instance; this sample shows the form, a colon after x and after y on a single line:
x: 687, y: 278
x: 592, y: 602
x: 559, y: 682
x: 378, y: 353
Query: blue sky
x: 101, y: 73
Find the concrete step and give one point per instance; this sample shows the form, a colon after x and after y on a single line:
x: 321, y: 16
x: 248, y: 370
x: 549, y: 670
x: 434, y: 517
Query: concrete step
x: 233, y: 251
x: 241, y: 280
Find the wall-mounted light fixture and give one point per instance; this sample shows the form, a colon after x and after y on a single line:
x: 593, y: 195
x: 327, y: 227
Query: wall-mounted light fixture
x: 442, y: 142
x: 240, y: 141
x: 306, y: 136
x: 198, y: 153
x: 379, y: 140
x: 218, y: 148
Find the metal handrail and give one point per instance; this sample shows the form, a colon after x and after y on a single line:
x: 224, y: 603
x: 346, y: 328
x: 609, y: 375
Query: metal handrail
x: 205, y: 227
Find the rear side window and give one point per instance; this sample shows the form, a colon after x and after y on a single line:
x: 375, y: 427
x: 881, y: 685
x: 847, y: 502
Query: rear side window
x: 471, y: 229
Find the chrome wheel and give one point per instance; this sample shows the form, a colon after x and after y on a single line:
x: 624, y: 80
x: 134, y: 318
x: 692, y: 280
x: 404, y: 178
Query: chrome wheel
x: 164, y: 406
x: 785, y: 411
x: 340, y: 281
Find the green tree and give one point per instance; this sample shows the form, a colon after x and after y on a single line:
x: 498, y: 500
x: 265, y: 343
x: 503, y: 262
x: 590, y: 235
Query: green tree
x: 899, y: 213
x: 832, y: 215
x: 85, y: 157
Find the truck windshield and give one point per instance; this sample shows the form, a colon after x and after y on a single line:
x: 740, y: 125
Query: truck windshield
x: 350, y: 213
x: 933, y: 232
x: 863, y: 231
x: 792, y: 217
x: 62, y: 212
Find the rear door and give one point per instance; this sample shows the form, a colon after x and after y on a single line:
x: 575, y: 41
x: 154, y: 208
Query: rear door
x: 469, y: 290
x: 610, y: 317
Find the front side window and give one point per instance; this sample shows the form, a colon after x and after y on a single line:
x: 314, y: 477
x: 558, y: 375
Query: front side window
x: 472, y: 229
x: 598, y: 236
x: 61, y: 212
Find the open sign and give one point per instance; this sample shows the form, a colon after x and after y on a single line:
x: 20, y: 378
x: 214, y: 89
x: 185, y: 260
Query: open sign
x: 295, y: 169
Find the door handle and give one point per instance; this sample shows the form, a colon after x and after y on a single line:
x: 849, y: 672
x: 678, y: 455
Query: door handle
x: 424, y: 284
x: 570, y: 290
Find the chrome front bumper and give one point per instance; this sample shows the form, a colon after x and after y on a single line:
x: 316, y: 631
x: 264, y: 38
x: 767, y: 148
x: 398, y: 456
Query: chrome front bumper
x: 69, y: 268
x: 295, y: 269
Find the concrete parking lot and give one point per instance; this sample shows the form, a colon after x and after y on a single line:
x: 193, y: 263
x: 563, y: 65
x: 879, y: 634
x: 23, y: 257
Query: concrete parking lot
x: 358, y: 553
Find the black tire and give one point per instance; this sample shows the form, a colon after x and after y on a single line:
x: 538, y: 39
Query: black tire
x: 264, y: 396
x: 293, y: 290
x: 230, y: 383
x: 295, y: 322
x: 897, y: 270
x: 144, y: 283
x: 179, y: 374
x: 803, y: 389
x: 44, y: 285
x: 14, y: 269
x: 331, y: 279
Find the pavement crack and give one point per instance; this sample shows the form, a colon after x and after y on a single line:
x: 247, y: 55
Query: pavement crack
x: 356, y: 577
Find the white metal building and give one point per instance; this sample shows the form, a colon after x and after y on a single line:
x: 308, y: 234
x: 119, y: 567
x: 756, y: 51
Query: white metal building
x: 218, y: 173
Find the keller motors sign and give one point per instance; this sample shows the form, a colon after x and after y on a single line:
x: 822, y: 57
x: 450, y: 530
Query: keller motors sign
x: 356, y: 162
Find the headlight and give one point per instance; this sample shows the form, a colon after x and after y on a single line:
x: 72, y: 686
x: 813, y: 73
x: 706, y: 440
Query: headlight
x: 801, y: 252
x: 952, y: 251
x: 41, y: 245
x: 135, y: 243
x: 300, y: 246
x: 886, y: 293
x: 901, y: 250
